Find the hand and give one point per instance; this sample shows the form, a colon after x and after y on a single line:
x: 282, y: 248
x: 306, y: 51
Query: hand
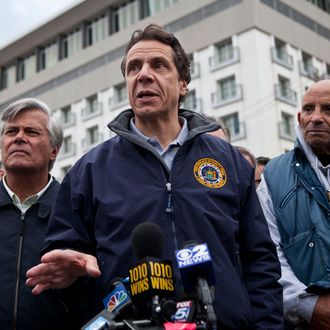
x: 321, y: 315
x: 59, y: 269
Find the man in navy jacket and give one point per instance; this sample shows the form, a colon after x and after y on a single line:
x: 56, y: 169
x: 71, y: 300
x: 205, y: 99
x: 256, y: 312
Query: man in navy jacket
x: 162, y: 167
x: 30, y: 142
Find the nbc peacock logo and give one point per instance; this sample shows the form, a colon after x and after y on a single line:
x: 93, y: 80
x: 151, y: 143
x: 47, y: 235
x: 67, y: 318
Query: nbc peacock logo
x: 116, y: 300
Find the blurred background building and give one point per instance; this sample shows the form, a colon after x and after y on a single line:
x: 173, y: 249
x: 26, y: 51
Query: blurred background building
x: 251, y: 62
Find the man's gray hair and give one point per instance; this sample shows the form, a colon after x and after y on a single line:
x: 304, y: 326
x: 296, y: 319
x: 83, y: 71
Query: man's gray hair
x: 54, y: 126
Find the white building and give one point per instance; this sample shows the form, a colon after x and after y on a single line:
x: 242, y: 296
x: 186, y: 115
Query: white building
x: 251, y: 62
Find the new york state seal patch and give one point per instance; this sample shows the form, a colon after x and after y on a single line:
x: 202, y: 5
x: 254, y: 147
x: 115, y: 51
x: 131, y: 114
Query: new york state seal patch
x: 210, y: 173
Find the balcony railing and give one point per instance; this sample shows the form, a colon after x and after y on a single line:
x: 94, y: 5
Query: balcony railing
x: 286, y: 131
x: 194, y: 70
x: 91, y: 141
x: 91, y: 111
x: 218, y: 62
x: 194, y: 104
x: 67, y: 151
x: 237, y: 132
x: 281, y: 57
x: 285, y: 94
x: 309, y: 71
x: 115, y: 102
x: 68, y: 119
x: 219, y: 99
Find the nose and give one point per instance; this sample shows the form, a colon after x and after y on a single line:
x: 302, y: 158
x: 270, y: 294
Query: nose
x: 317, y: 115
x: 20, y: 136
x: 145, y: 73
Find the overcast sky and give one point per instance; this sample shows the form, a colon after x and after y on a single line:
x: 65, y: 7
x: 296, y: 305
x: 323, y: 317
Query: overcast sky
x: 18, y: 17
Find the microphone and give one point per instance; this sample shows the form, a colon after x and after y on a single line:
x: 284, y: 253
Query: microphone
x: 116, y: 303
x: 151, y: 279
x: 185, y: 311
x: 119, y: 298
x: 105, y: 320
x: 197, y: 274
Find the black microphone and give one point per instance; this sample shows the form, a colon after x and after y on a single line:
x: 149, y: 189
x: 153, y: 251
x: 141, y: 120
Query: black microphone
x: 151, y: 279
x: 197, y: 275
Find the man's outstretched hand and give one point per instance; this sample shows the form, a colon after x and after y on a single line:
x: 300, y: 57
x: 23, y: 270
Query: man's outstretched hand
x: 59, y: 269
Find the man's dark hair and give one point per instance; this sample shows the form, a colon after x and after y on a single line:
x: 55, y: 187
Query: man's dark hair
x: 262, y: 160
x: 155, y: 32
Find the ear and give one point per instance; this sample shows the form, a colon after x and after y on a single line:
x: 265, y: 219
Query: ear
x: 54, y: 153
x: 183, y: 88
x: 299, y: 118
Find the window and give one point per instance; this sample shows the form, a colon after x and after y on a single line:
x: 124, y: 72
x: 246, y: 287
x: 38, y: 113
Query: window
x: 283, y: 91
x: 67, y: 116
x: 226, y: 91
x: 280, y: 54
x: 307, y: 68
x: 70, y: 44
x: 20, y: 69
x: 194, y: 67
x: 41, y: 59
x: 236, y: 129
x: 124, y: 16
x: 224, y: 54
x: 95, y: 30
x: 322, y: 4
x: 120, y: 93
x: 306, y: 62
x: 327, y: 72
x: 286, y: 127
x: 119, y: 96
x: 227, y: 88
x: 93, y: 107
x: 3, y: 78
x: 93, y: 137
x: 190, y: 101
x: 92, y: 134
x: 225, y: 51
x: 156, y: 6
x: 67, y: 146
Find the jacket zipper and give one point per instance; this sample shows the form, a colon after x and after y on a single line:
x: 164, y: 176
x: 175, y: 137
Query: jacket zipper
x: 18, y: 271
x: 169, y: 210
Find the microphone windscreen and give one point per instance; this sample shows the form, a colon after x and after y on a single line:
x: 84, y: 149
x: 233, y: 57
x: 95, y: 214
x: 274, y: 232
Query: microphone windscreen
x: 147, y: 240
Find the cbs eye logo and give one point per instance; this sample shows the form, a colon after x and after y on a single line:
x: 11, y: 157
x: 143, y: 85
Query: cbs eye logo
x: 184, y: 254
x: 195, y: 252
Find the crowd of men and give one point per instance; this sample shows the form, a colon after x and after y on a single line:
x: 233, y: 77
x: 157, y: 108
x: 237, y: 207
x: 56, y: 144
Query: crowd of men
x: 63, y: 244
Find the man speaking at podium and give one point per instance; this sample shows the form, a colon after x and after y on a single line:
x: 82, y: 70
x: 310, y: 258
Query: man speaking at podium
x: 163, y: 167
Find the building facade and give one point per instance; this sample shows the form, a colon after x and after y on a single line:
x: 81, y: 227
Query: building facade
x: 251, y: 62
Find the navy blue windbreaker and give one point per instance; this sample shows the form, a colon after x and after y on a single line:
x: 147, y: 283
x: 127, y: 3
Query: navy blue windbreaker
x: 21, y: 240
x: 123, y: 182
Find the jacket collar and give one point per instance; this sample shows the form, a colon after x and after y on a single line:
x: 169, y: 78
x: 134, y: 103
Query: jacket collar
x: 197, y: 123
x: 45, y: 201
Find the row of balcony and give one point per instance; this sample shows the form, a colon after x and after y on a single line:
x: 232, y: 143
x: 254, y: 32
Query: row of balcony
x: 70, y: 149
x: 282, y: 93
x: 238, y: 132
x: 306, y: 68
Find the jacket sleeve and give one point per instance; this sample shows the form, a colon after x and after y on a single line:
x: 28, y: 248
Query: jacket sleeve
x: 297, y: 304
x: 72, y: 219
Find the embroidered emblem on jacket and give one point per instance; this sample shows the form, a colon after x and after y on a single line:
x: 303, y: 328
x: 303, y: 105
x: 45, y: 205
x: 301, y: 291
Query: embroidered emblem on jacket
x: 210, y: 173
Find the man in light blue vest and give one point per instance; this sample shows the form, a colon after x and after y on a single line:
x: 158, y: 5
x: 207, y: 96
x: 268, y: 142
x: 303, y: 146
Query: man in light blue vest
x: 295, y: 194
